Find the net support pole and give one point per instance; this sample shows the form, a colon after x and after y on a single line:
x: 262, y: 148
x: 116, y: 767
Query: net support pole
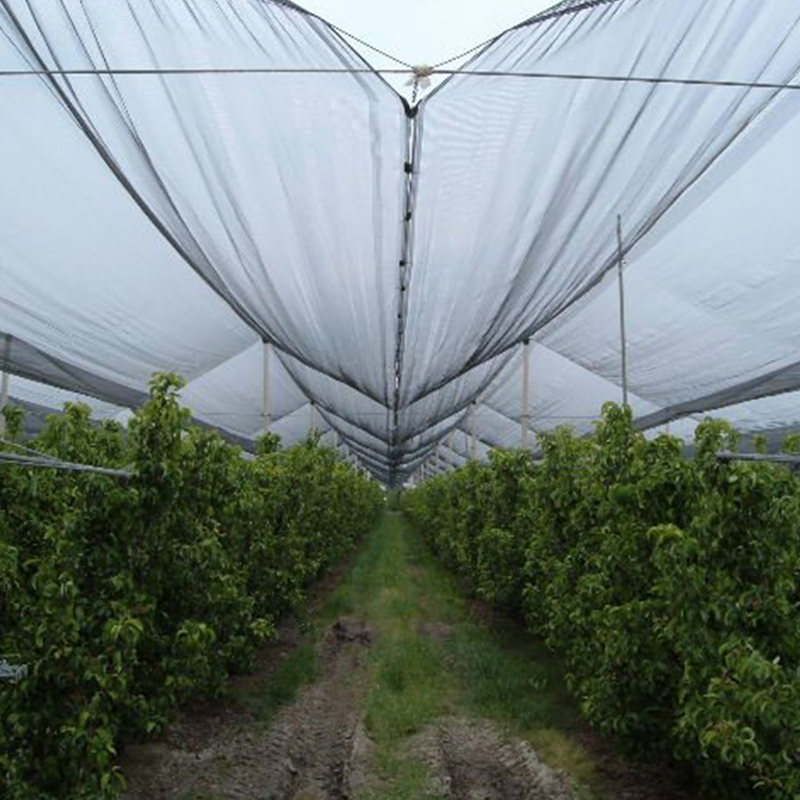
x: 4, y: 379
x: 525, y: 417
x: 313, y: 416
x: 473, y: 437
x: 3, y: 401
x: 266, y: 411
x: 623, y: 338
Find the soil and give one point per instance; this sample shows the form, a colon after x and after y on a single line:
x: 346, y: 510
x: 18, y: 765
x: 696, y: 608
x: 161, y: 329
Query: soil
x: 316, y: 748
x: 471, y: 759
x: 634, y: 780
x: 626, y: 777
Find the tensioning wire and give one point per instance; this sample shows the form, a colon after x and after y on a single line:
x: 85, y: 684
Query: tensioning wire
x: 369, y: 46
x: 565, y: 76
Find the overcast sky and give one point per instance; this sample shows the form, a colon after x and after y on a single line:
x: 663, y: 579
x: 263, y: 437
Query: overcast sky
x: 424, y: 31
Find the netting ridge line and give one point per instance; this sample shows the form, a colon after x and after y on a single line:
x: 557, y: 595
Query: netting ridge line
x: 560, y: 10
x: 119, y: 174
x: 404, y: 265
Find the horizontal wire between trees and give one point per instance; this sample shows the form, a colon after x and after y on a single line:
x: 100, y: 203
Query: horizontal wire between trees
x: 46, y: 462
x: 15, y: 459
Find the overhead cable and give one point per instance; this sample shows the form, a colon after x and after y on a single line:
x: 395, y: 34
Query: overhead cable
x: 430, y: 72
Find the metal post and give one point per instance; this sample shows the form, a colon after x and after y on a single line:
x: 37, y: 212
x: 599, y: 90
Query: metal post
x: 4, y: 384
x: 623, y: 339
x: 266, y: 409
x: 3, y: 401
x: 525, y: 418
x: 473, y: 445
x: 313, y: 416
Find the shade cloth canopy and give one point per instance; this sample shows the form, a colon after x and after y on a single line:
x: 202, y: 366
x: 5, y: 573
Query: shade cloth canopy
x: 185, y: 181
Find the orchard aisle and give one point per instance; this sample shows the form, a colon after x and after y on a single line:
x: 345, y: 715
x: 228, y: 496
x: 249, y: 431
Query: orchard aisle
x: 395, y: 687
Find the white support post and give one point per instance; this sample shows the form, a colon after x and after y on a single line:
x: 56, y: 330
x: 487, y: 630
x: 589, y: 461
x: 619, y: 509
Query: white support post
x: 4, y: 384
x: 313, y: 416
x: 3, y: 401
x: 473, y: 444
x: 623, y: 339
x: 525, y: 417
x: 266, y: 411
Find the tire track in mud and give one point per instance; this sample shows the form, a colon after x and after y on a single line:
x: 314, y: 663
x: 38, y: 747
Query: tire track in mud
x: 316, y: 748
x: 469, y: 759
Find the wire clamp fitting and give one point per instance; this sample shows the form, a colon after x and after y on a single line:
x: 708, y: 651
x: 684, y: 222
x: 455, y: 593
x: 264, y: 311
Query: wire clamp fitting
x: 420, y: 79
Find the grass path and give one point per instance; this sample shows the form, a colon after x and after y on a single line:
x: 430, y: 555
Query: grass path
x: 434, y: 658
x: 395, y: 686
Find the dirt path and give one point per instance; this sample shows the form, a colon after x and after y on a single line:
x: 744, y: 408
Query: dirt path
x: 318, y: 747
x: 386, y: 713
x: 315, y: 747
x: 475, y: 760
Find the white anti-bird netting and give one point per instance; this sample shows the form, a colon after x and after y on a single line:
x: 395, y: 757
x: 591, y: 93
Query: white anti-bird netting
x: 184, y: 181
